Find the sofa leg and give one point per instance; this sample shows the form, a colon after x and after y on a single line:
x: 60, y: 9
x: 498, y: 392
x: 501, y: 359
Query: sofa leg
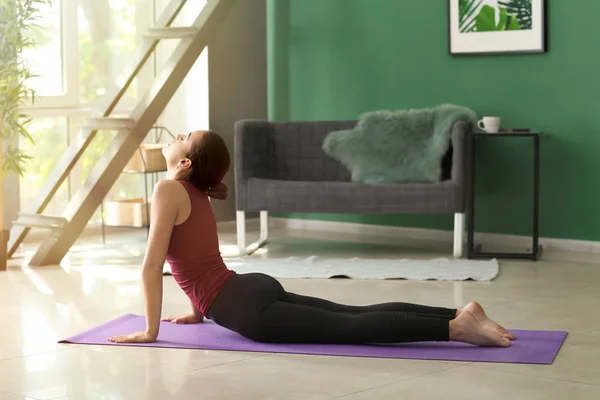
x: 459, y: 232
x: 264, y: 226
x: 241, y: 233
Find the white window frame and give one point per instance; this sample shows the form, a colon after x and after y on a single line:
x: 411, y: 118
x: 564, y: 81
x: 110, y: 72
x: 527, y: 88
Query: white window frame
x: 69, y: 62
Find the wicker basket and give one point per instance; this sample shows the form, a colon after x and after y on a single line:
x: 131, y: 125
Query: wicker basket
x: 130, y: 212
x: 148, y: 158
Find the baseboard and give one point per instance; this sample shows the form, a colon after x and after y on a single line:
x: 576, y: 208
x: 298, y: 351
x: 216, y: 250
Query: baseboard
x: 434, y: 235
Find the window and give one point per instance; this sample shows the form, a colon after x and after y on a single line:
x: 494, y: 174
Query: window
x: 42, y: 60
x: 109, y: 32
x: 83, y: 48
x: 55, y: 58
x: 50, y: 136
x: 77, y: 63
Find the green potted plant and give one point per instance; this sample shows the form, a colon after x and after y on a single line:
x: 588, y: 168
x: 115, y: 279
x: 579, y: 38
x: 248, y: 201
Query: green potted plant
x: 17, y: 22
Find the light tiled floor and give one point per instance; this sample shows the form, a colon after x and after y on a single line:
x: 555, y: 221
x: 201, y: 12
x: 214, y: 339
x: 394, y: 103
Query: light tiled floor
x: 42, y: 305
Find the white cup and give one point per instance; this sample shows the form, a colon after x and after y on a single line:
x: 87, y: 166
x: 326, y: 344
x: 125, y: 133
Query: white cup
x: 489, y: 124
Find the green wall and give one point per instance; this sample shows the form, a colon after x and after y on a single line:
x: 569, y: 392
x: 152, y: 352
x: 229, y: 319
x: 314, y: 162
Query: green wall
x: 335, y: 59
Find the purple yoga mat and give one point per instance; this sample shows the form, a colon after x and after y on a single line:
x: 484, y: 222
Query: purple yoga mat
x: 531, y: 347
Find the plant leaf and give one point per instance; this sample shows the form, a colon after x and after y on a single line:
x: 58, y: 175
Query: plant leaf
x: 521, y: 9
x: 512, y: 23
x: 17, y: 18
x: 486, y: 19
x: 503, y: 19
x: 467, y: 9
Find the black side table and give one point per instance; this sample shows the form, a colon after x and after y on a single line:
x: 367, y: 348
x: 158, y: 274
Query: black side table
x: 474, y: 251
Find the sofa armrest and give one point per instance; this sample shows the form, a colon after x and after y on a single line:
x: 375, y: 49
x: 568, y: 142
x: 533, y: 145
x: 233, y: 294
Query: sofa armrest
x: 251, y: 149
x: 460, y: 134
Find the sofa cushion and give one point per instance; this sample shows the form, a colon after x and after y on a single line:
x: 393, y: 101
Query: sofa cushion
x: 295, y: 152
x: 351, y: 197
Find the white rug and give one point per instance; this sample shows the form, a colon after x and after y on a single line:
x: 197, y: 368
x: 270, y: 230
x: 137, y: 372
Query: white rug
x: 441, y: 269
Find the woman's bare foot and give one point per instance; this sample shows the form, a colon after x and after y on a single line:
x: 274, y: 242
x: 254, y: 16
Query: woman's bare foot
x: 466, y: 328
x: 477, y: 310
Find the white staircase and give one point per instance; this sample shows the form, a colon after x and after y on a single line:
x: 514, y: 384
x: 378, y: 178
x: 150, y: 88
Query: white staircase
x: 131, y: 131
x: 170, y: 33
x: 40, y: 221
x: 109, y: 123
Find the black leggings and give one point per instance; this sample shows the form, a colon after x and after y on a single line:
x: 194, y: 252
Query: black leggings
x: 256, y: 306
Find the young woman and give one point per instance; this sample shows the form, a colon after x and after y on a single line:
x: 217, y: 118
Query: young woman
x: 184, y: 232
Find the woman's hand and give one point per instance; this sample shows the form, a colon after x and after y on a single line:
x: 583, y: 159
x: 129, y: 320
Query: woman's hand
x: 185, y: 319
x: 138, y: 337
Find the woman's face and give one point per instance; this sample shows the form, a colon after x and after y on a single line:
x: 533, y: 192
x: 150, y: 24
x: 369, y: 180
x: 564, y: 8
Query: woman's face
x: 177, y: 151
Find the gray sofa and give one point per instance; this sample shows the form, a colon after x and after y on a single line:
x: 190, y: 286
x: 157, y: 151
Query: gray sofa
x: 281, y: 167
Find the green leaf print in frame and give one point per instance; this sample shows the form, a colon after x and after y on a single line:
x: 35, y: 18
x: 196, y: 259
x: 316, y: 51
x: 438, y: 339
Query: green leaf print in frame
x: 480, y: 27
x: 486, y: 20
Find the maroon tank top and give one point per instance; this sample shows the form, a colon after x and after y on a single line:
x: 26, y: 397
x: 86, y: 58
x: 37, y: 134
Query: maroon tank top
x: 194, y: 255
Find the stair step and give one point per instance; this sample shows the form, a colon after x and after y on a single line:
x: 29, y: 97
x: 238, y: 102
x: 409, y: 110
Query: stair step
x: 40, y: 221
x: 109, y: 123
x: 171, y: 32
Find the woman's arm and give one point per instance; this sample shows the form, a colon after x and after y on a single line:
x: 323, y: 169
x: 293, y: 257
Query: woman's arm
x: 197, y: 312
x: 165, y: 207
x: 166, y: 203
x: 194, y: 318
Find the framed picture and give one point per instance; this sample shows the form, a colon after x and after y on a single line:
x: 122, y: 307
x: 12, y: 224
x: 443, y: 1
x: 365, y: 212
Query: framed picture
x: 497, y: 26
